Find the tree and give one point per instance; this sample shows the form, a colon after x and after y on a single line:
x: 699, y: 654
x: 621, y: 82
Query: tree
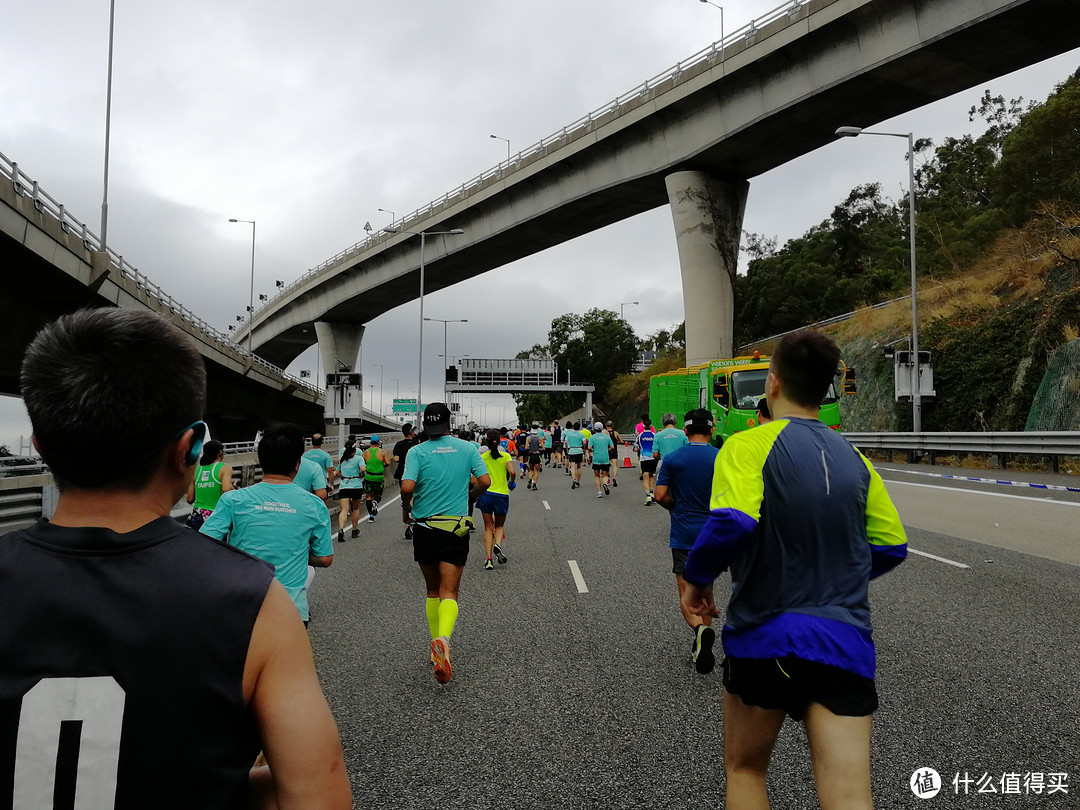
x: 592, y: 348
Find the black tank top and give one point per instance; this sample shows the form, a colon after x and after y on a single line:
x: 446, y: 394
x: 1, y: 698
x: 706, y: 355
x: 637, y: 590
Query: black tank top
x: 131, y: 649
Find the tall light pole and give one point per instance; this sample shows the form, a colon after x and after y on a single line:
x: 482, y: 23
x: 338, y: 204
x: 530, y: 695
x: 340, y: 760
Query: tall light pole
x: 108, y: 125
x: 420, y: 351
x: 916, y: 396
x: 251, y: 297
x: 500, y: 138
x: 446, y: 357
x: 397, y: 388
x: 622, y: 306
x: 393, y: 218
x: 380, y: 365
x: 714, y: 5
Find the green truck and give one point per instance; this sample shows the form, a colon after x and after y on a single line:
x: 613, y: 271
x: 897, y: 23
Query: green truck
x: 731, y: 389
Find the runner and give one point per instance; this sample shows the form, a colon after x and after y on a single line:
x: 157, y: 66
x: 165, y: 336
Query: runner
x: 648, y: 463
x: 351, y: 469
x: 144, y: 664
x: 435, y: 495
x: 684, y: 488
x: 804, y: 522
x: 613, y: 471
x: 600, y: 443
x: 522, y: 442
x: 764, y: 416
x: 575, y: 453
x: 212, y: 477
x: 668, y: 440
x: 375, y: 461
x: 495, y: 502
x: 275, y: 520
x: 586, y: 435
x: 322, y: 458
x: 311, y: 477
x: 536, y: 459
x: 548, y: 444
x: 401, y: 450
x: 556, y: 445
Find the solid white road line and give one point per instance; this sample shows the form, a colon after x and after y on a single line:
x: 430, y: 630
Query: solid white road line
x: 547, y: 505
x: 939, y: 559
x: 960, y: 491
x: 578, y: 578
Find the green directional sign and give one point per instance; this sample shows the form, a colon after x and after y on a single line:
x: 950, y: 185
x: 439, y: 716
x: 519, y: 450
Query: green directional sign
x: 406, y: 406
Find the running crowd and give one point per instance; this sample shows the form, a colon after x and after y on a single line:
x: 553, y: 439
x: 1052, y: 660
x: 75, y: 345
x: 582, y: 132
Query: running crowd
x: 798, y: 516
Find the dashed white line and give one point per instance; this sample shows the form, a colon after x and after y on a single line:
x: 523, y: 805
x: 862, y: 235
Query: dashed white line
x: 579, y: 580
x: 939, y: 559
x: 546, y: 505
x: 961, y: 491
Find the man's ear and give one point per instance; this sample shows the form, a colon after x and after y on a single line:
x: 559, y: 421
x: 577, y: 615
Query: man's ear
x: 772, y: 386
x: 34, y: 442
x: 178, y: 456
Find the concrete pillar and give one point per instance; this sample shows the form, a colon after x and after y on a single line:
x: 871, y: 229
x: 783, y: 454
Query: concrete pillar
x: 339, y: 345
x: 708, y: 217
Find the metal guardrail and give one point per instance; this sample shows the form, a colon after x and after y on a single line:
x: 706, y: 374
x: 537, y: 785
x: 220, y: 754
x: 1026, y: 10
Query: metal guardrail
x: 1041, y: 443
x: 526, y: 156
x: 46, y: 204
x: 827, y: 322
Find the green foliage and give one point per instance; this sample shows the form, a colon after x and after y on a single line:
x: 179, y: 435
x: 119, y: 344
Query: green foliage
x: 592, y: 348
x: 1040, y: 159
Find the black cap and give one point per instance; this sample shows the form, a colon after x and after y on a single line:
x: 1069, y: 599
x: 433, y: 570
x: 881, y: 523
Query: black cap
x: 700, y: 417
x: 436, y: 419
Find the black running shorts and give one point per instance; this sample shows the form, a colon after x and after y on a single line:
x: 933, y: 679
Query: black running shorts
x: 678, y: 560
x: 792, y: 684
x: 648, y: 465
x: 433, y: 546
x: 535, y: 460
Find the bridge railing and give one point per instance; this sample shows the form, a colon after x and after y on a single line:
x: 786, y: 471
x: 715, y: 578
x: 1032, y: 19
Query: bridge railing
x: 46, y: 204
x: 536, y: 150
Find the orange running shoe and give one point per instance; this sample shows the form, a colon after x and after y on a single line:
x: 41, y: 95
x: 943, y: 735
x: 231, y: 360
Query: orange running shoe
x: 440, y: 650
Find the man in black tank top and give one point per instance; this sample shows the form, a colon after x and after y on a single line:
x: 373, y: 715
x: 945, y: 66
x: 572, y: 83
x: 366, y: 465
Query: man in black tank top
x: 143, y: 664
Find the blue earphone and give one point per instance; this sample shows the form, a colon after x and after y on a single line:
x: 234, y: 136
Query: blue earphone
x: 200, y: 435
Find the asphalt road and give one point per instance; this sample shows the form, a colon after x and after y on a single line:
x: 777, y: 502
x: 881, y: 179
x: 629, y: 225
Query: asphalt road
x: 563, y: 699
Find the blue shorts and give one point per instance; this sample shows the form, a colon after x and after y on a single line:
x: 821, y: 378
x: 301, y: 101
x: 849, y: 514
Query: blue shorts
x: 492, y: 503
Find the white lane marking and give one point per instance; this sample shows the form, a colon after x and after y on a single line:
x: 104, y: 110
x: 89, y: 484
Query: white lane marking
x: 546, y: 505
x: 1000, y: 481
x: 980, y: 492
x: 387, y: 503
x: 939, y: 559
x: 579, y: 580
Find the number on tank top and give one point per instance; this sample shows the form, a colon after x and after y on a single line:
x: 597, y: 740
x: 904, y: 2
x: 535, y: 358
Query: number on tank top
x: 69, y: 744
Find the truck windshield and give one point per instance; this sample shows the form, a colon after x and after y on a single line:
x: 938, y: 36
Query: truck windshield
x: 749, y: 387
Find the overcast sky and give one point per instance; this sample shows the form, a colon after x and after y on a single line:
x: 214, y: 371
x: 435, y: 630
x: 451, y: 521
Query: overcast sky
x: 309, y: 117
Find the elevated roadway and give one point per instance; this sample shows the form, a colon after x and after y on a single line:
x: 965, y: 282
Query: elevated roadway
x: 51, y: 267
x: 691, y: 137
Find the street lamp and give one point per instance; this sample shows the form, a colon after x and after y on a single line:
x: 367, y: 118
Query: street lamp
x: 622, y: 306
x: 397, y: 388
x: 420, y: 351
x: 500, y: 138
x: 393, y: 218
x: 446, y: 358
x: 251, y: 303
x: 380, y: 365
x: 108, y: 123
x: 711, y: 3
x: 916, y: 397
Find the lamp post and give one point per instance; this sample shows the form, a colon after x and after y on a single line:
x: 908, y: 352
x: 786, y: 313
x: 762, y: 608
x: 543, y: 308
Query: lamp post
x: 393, y: 218
x: 380, y: 365
x: 714, y: 5
x: 108, y: 124
x: 622, y: 306
x: 251, y: 297
x: 420, y: 351
x: 916, y: 397
x: 446, y: 357
x: 500, y: 138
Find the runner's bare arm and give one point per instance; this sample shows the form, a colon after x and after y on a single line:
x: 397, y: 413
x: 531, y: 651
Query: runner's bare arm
x: 299, y: 737
x: 662, y: 496
x: 226, y: 479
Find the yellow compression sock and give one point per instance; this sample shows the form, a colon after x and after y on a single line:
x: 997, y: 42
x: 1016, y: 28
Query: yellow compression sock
x: 431, y: 607
x: 448, y: 611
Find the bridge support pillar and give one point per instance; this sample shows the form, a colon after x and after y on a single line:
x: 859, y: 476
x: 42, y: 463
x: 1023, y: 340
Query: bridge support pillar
x: 339, y: 345
x: 708, y: 217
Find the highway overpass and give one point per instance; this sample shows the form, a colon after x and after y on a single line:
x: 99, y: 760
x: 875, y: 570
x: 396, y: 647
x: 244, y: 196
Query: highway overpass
x: 692, y: 137
x: 52, y: 266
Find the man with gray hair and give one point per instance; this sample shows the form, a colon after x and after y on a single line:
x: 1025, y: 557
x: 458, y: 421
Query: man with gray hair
x: 669, y: 439
x: 125, y: 634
